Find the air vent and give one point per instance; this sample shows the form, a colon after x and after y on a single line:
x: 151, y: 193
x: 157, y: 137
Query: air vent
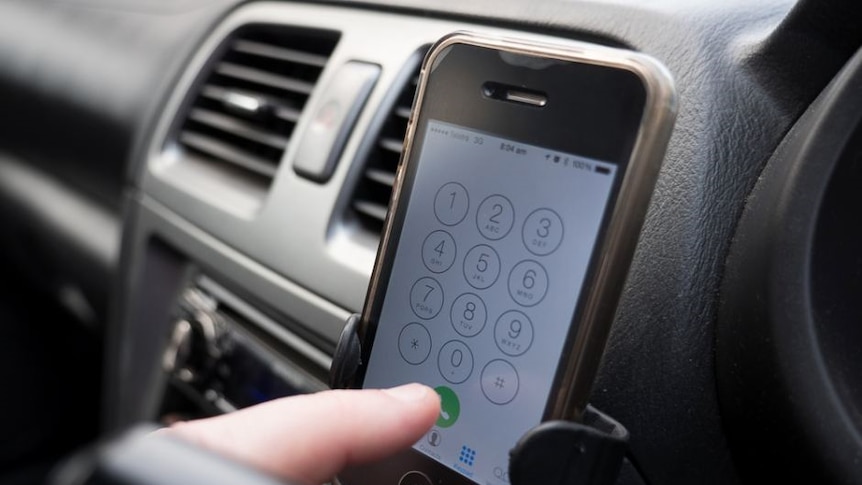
x: 371, y: 198
x: 247, y: 106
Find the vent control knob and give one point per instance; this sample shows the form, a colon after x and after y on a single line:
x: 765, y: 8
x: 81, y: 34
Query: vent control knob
x: 192, y: 349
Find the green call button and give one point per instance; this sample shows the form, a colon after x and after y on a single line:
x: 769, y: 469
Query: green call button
x: 450, y: 407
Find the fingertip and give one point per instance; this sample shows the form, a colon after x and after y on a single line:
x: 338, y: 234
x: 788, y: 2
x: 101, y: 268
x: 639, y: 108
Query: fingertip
x: 420, y: 395
x: 409, y: 392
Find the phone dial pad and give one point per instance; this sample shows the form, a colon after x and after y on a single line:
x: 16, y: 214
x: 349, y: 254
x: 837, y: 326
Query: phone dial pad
x: 527, y: 282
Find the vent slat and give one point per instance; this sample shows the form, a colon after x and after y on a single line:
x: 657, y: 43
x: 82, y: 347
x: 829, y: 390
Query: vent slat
x: 264, y: 78
x: 288, y: 114
x: 371, y: 209
x: 403, y: 112
x: 381, y: 176
x: 279, y: 53
x: 228, y: 153
x: 392, y: 144
x: 222, y: 95
x: 239, y: 128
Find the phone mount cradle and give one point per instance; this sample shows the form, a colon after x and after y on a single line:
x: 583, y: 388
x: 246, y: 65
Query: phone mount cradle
x: 553, y: 453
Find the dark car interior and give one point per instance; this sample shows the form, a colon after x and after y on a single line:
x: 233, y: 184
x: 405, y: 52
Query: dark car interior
x: 171, y: 250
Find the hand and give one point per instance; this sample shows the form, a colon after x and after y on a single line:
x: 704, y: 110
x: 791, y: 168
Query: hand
x: 312, y: 437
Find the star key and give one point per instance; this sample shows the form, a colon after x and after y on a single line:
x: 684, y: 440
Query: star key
x: 414, y: 343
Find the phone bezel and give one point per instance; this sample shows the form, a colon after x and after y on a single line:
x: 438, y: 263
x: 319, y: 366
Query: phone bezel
x: 609, y: 267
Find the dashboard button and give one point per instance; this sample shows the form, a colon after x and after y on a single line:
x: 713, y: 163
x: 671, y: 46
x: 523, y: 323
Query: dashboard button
x: 323, y: 142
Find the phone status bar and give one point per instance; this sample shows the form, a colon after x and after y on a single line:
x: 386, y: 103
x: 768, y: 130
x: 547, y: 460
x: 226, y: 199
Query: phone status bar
x: 510, y: 148
x: 579, y: 163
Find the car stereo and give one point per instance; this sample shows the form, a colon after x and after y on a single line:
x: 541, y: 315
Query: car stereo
x: 223, y: 354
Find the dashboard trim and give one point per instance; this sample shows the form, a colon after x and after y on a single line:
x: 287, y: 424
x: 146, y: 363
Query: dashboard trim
x: 310, y: 257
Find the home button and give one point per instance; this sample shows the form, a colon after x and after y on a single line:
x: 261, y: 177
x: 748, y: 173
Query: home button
x: 414, y: 478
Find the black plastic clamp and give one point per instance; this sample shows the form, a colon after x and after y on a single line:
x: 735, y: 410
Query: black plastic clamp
x: 590, y: 452
x: 348, y: 355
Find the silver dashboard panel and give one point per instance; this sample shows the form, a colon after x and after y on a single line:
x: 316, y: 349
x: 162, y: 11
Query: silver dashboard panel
x: 296, y: 231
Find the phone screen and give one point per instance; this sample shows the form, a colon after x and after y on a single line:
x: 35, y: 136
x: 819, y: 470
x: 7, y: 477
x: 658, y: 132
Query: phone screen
x: 495, y: 246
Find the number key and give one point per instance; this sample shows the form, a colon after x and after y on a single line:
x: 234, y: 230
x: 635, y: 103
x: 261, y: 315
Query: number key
x: 513, y: 333
x: 542, y: 232
x: 455, y: 361
x: 439, y: 251
x: 451, y: 204
x: 528, y: 283
x: 468, y: 315
x: 426, y: 298
x: 481, y: 266
x: 495, y: 217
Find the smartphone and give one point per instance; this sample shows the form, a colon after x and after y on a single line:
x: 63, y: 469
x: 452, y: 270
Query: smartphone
x: 519, y: 199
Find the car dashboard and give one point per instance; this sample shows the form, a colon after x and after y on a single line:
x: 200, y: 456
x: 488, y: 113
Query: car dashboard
x: 162, y: 163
